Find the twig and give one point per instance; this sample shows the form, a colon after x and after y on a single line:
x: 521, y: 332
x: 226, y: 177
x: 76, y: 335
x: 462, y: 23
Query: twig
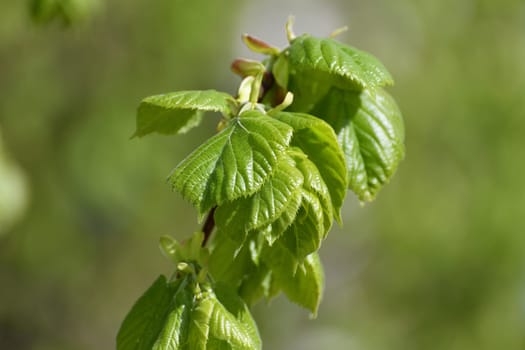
x: 208, y: 226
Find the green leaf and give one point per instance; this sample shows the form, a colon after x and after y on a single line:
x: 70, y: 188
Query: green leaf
x: 183, y: 315
x: 256, y: 285
x: 265, y: 206
x: 315, y: 185
x: 338, y: 64
x: 305, y: 287
x: 145, y: 321
x: 274, y: 230
x: 279, y: 271
x: 177, y: 323
x: 306, y: 233
x: 234, y: 163
x: 230, y: 260
x: 371, y: 133
x: 238, y: 266
x: 238, y: 308
x: 310, y: 224
x: 280, y: 71
x: 215, y: 326
x: 319, y: 142
x: 178, y: 112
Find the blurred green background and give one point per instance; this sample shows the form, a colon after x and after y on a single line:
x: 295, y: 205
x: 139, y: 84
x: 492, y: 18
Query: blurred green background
x: 437, y: 262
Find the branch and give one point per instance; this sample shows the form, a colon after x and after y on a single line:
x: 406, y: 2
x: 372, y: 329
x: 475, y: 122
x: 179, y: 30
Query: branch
x: 208, y: 226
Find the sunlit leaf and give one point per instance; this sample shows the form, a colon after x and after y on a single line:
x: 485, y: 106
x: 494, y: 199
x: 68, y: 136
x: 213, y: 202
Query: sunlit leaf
x: 266, y: 205
x: 334, y: 63
x: 234, y: 163
x: 371, y: 133
x: 215, y: 326
x: 318, y: 141
x: 178, y: 112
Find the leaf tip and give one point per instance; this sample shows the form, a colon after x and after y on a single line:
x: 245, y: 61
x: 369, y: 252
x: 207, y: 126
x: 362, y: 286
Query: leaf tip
x: 338, y: 31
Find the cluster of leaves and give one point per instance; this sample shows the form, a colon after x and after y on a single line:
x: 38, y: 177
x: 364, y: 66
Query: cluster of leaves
x: 309, y: 122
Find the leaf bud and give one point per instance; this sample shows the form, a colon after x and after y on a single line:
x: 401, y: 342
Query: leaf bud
x: 259, y: 46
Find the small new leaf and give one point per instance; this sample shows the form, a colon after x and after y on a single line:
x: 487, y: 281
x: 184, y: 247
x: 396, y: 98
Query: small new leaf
x: 178, y: 112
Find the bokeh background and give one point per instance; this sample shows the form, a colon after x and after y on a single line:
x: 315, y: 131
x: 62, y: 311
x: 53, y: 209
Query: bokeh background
x: 436, y: 262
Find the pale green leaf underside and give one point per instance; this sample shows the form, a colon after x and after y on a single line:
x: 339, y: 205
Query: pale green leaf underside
x: 278, y: 270
x: 178, y: 112
x: 234, y: 163
x: 358, y: 69
x: 371, y: 133
x: 305, y: 287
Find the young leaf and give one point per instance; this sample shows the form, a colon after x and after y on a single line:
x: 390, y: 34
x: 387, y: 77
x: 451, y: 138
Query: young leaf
x: 302, y: 233
x: 145, y: 321
x: 214, y: 326
x: 230, y: 260
x: 334, y: 62
x: 305, y: 234
x: 280, y: 71
x: 234, y: 163
x: 305, y: 287
x: 177, y: 323
x: 279, y: 271
x: 178, y: 112
x: 274, y: 230
x: 238, y: 308
x: 371, y: 133
x: 315, y: 185
x: 263, y: 207
x: 256, y: 285
x: 318, y: 141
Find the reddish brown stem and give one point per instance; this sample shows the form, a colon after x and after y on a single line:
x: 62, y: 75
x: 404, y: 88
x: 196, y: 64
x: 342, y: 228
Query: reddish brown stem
x: 208, y: 226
